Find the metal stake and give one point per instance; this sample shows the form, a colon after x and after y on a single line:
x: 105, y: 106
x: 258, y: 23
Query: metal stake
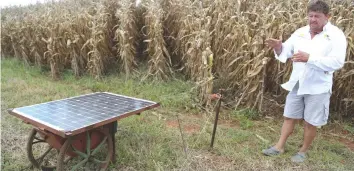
x: 216, y: 118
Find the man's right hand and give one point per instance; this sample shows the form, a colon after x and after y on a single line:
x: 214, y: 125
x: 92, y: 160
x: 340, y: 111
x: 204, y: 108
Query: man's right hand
x: 275, y: 44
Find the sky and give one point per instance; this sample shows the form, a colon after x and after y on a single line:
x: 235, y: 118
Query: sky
x: 4, y: 3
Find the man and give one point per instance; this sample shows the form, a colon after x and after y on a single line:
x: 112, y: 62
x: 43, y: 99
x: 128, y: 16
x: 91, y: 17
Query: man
x: 316, y: 50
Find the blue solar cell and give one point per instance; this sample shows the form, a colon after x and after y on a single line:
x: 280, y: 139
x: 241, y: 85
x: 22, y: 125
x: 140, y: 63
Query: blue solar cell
x: 82, y: 111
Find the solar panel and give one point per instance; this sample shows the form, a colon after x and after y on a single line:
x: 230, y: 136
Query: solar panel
x: 74, y: 115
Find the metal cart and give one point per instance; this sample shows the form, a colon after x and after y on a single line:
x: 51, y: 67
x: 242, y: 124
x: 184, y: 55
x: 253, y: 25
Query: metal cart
x: 77, y: 133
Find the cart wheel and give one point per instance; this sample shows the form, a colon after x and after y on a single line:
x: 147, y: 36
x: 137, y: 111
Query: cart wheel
x: 97, y: 158
x: 39, y: 152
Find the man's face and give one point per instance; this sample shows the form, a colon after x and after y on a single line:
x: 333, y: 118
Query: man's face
x: 317, y: 20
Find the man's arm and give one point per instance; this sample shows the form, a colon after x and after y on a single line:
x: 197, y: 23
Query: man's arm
x: 282, y: 51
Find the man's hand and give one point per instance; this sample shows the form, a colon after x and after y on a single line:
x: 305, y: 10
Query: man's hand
x: 300, y: 57
x: 275, y: 44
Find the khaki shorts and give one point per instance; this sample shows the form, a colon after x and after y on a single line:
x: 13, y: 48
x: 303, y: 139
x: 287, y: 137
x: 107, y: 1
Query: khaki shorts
x: 314, y: 109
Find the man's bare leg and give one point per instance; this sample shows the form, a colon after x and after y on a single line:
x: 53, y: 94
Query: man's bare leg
x: 309, y: 136
x: 286, y: 130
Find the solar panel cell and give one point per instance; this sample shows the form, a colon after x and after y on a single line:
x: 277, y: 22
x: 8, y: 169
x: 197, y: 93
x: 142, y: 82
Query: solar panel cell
x: 77, y: 113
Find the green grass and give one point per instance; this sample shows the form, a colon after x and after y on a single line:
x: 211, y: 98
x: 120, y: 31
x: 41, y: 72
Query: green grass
x: 153, y: 141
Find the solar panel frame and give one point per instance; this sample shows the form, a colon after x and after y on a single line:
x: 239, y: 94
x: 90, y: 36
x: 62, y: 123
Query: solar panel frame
x: 42, y: 124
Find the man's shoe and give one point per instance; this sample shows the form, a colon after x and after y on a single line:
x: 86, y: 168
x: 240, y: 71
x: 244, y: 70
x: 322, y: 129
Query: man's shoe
x: 298, y: 157
x: 272, y: 151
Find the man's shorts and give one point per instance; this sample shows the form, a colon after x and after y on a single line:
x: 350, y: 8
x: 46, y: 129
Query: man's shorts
x: 314, y: 109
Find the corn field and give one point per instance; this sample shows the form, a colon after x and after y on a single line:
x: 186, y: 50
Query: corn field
x: 216, y: 44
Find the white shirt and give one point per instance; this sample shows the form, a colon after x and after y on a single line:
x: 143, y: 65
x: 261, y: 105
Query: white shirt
x: 327, y: 54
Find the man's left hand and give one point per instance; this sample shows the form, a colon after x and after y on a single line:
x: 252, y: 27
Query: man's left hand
x: 300, y: 57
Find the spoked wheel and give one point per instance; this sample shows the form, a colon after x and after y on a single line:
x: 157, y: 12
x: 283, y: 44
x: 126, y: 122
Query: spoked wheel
x: 94, y: 156
x: 40, y: 153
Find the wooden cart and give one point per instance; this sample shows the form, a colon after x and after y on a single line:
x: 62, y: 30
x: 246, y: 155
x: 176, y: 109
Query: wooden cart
x: 77, y: 133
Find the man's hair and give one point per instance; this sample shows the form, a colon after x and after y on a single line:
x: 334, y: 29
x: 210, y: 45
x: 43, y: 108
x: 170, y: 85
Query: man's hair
x: 318, y: 6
